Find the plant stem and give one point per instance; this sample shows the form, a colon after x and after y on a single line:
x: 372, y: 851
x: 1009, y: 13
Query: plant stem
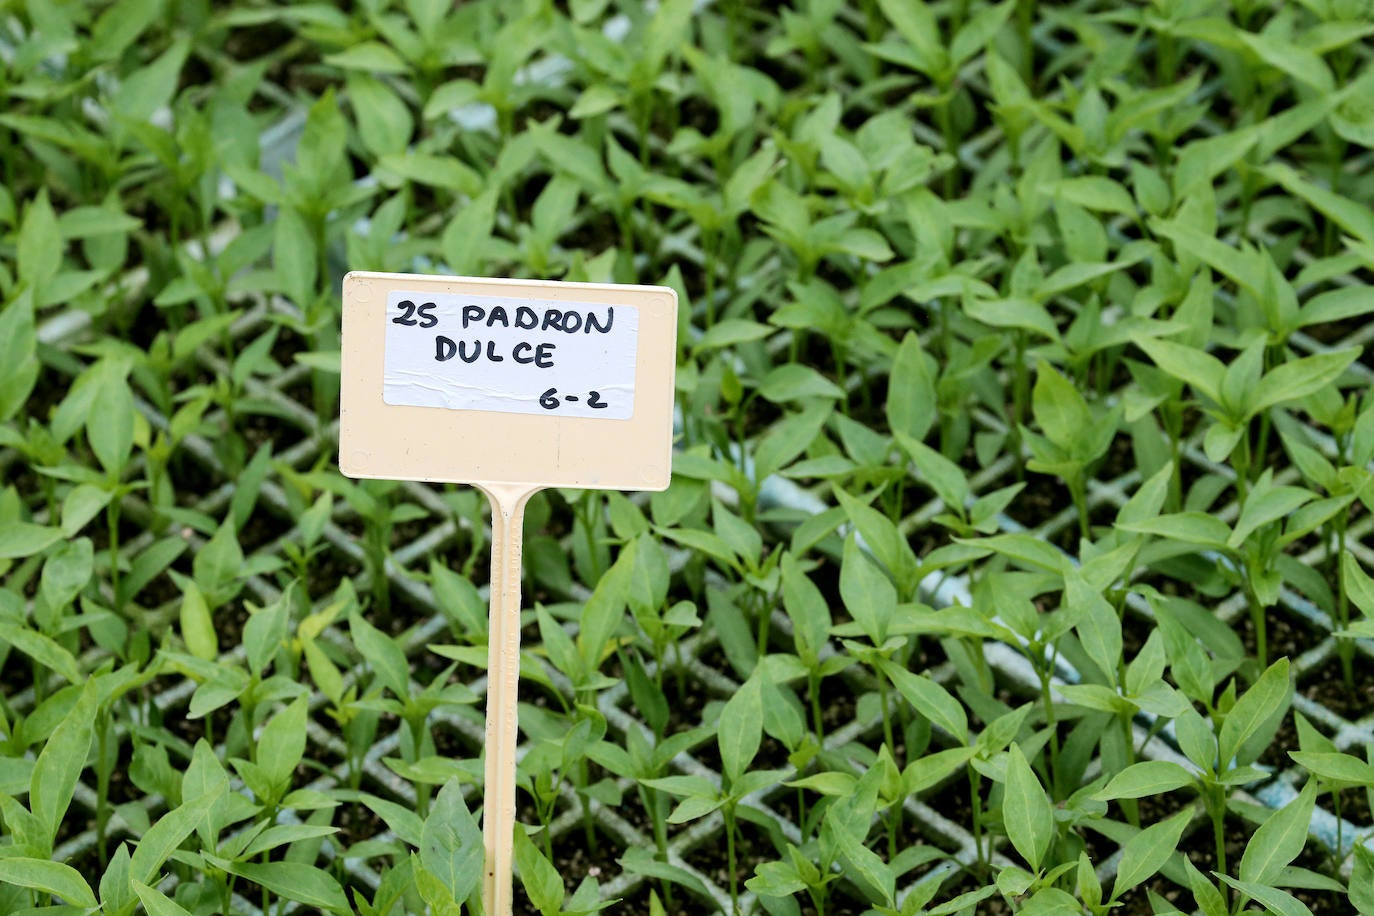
x: 1020, y: 398
x: 1050, y: 722
x: 1216, y: 807
x: 1344, y: 647
x: 976, y: 806
x: 1242, y: 462
x: 102, y: 786
x: 1257, y: 621
x: 946, y: 118
x: 895, y: 817
x: 813, y: 686
x: 729, y: 813
x: 112, y: 522
x: 1077, y: 490
x: 1025, y: 19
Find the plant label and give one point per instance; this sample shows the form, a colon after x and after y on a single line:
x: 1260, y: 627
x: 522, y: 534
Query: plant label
x: 511, y: 386
x: 506, y: 381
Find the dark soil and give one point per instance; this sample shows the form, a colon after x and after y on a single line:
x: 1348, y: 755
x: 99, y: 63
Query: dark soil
x: 1327, y: 686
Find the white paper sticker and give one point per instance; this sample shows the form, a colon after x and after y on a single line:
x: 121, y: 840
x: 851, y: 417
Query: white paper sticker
x: 510, y: 355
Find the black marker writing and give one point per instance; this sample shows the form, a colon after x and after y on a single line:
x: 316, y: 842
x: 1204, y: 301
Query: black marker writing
x: 426, y: 313
x: 549, y: 401
x: 525, y: 353
x: 569, y: 321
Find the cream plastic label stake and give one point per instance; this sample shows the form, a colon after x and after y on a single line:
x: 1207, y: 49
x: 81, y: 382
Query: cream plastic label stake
x: 510, y: 386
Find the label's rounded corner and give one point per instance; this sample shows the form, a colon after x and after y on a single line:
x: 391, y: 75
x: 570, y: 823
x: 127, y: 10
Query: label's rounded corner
x: 348, y: 466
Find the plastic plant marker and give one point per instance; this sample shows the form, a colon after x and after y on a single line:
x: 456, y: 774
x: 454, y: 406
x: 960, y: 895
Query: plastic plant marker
x: 510, y: 386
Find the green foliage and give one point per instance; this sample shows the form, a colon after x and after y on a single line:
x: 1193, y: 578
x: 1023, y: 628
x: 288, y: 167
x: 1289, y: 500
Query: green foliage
x: 1021, y: 484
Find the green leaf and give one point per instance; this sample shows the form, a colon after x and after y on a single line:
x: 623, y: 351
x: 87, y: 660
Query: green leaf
x: 1280, y: 839
x: 1298, y: 378
x: 1013, y: 312
x: 807, y: 609
x: 56, y: 878
x: 1147, y: 501
x: 1200, y: 161
x: 1342, y: 768
x: 863, y: 243
x: 59, y: 765
x: 1350, y: 214
x: 436, y: 171
x: 110, y: 424
x: 167, y: 833
x: 151, y: 88
x: 912, y: 401
x: 156, y: 902
x: 1059, y: 409
x: 219, y: 564
x: 1030, y: 552
x: 978, y: 33
x: 296, y: 881
x: 320, y: 154
x: 605, y: 609
x: 1259, y: 706
x: 1265, y: 505
x: 66, y: 572
x: 929, y: 699
x: 1099, y: 627
x: 119, y: 25
x: 1362, y: 881
x: 1196, y: 367
x: 383, y: 119
x: 865, y: 866
x: 1358, y: 585
x: 868, y: 594
x: 1189, y: 527
x: 19, y: 365
x: 43, y: 649
x: 467, y: 234
x: 1150, y: 777
x: 281, y: 745
x: 197, y: 626
x: 451, y: 844
x: 89, y: 222
x: 1337, y: 305
x: 729, y: 332
x: 1280, y: 903
x: 265, y: 632
x: 385, y: 657
x: 793, y: 382
x: 1147, y: 851
x: 1026, y: 811
x: 40, y: 242
x: 369, y: 57
x: 788, y: 439
x: 1051, y: 901
x: 539, y: 877
x: 1303, y: 65
x: 294, y: 256
x: 284, y: 835
x: 916, y: 24
x: 740, y: 731
x: 943, y: 476
x: 1097, y: 192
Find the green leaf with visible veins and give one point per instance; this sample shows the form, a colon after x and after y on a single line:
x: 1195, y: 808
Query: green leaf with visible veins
x: 1147, y: 851
x: 1026, y: 811
x: 49, y: 877
x: 1280, y: 839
